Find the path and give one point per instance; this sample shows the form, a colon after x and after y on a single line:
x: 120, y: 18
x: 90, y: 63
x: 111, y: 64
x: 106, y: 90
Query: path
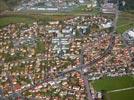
x: 118, y: 90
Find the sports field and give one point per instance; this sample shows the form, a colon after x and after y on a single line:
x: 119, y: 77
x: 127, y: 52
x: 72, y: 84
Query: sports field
x: 118, y: 88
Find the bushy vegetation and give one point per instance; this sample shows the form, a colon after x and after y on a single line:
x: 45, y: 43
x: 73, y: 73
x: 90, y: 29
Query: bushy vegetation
x: 130, y: 4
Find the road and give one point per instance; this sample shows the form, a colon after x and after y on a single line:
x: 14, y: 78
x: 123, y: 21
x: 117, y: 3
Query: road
x: 84, y: 77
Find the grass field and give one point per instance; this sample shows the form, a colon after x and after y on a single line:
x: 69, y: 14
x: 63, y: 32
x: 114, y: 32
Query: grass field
x: 109, y: 84
x: 125, y: 22
x: 122, y: 95
x: 29, y: 18
x: 79, y: 9
x: 14, y: 19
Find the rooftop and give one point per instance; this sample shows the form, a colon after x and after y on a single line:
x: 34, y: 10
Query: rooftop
x: 131, y: 33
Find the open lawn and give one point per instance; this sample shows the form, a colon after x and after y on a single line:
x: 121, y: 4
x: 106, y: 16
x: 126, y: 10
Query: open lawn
x: 79, y: 9
x: 110, y: 83
x: 84, y: 10
x: 117, y: 83
x: 125, y: 22
x: 122, y: 95
x: 14, y: 19
x: 30, y: 18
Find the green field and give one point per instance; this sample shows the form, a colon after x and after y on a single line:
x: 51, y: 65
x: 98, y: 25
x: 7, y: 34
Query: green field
x: 122, y: 95
x: 29, y: 18
x: 125, y: 22
x: 109, y: 84
x: 79, y: 9
x: 14, y: 19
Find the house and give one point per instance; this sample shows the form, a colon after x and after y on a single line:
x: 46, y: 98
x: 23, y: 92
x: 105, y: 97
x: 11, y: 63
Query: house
x: 83, y: 29
x: 108, y: 8
x: 54, y: 22
x: 129, y: 37
x: 106, y: 25
x: 67, y: 31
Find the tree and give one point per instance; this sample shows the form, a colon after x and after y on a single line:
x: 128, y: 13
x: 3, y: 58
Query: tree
x: 130, y: 4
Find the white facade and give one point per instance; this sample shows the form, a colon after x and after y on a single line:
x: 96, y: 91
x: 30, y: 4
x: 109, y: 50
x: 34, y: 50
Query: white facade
x: 107, y: 25
x: 129, y: 37
x: 131, y: 33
